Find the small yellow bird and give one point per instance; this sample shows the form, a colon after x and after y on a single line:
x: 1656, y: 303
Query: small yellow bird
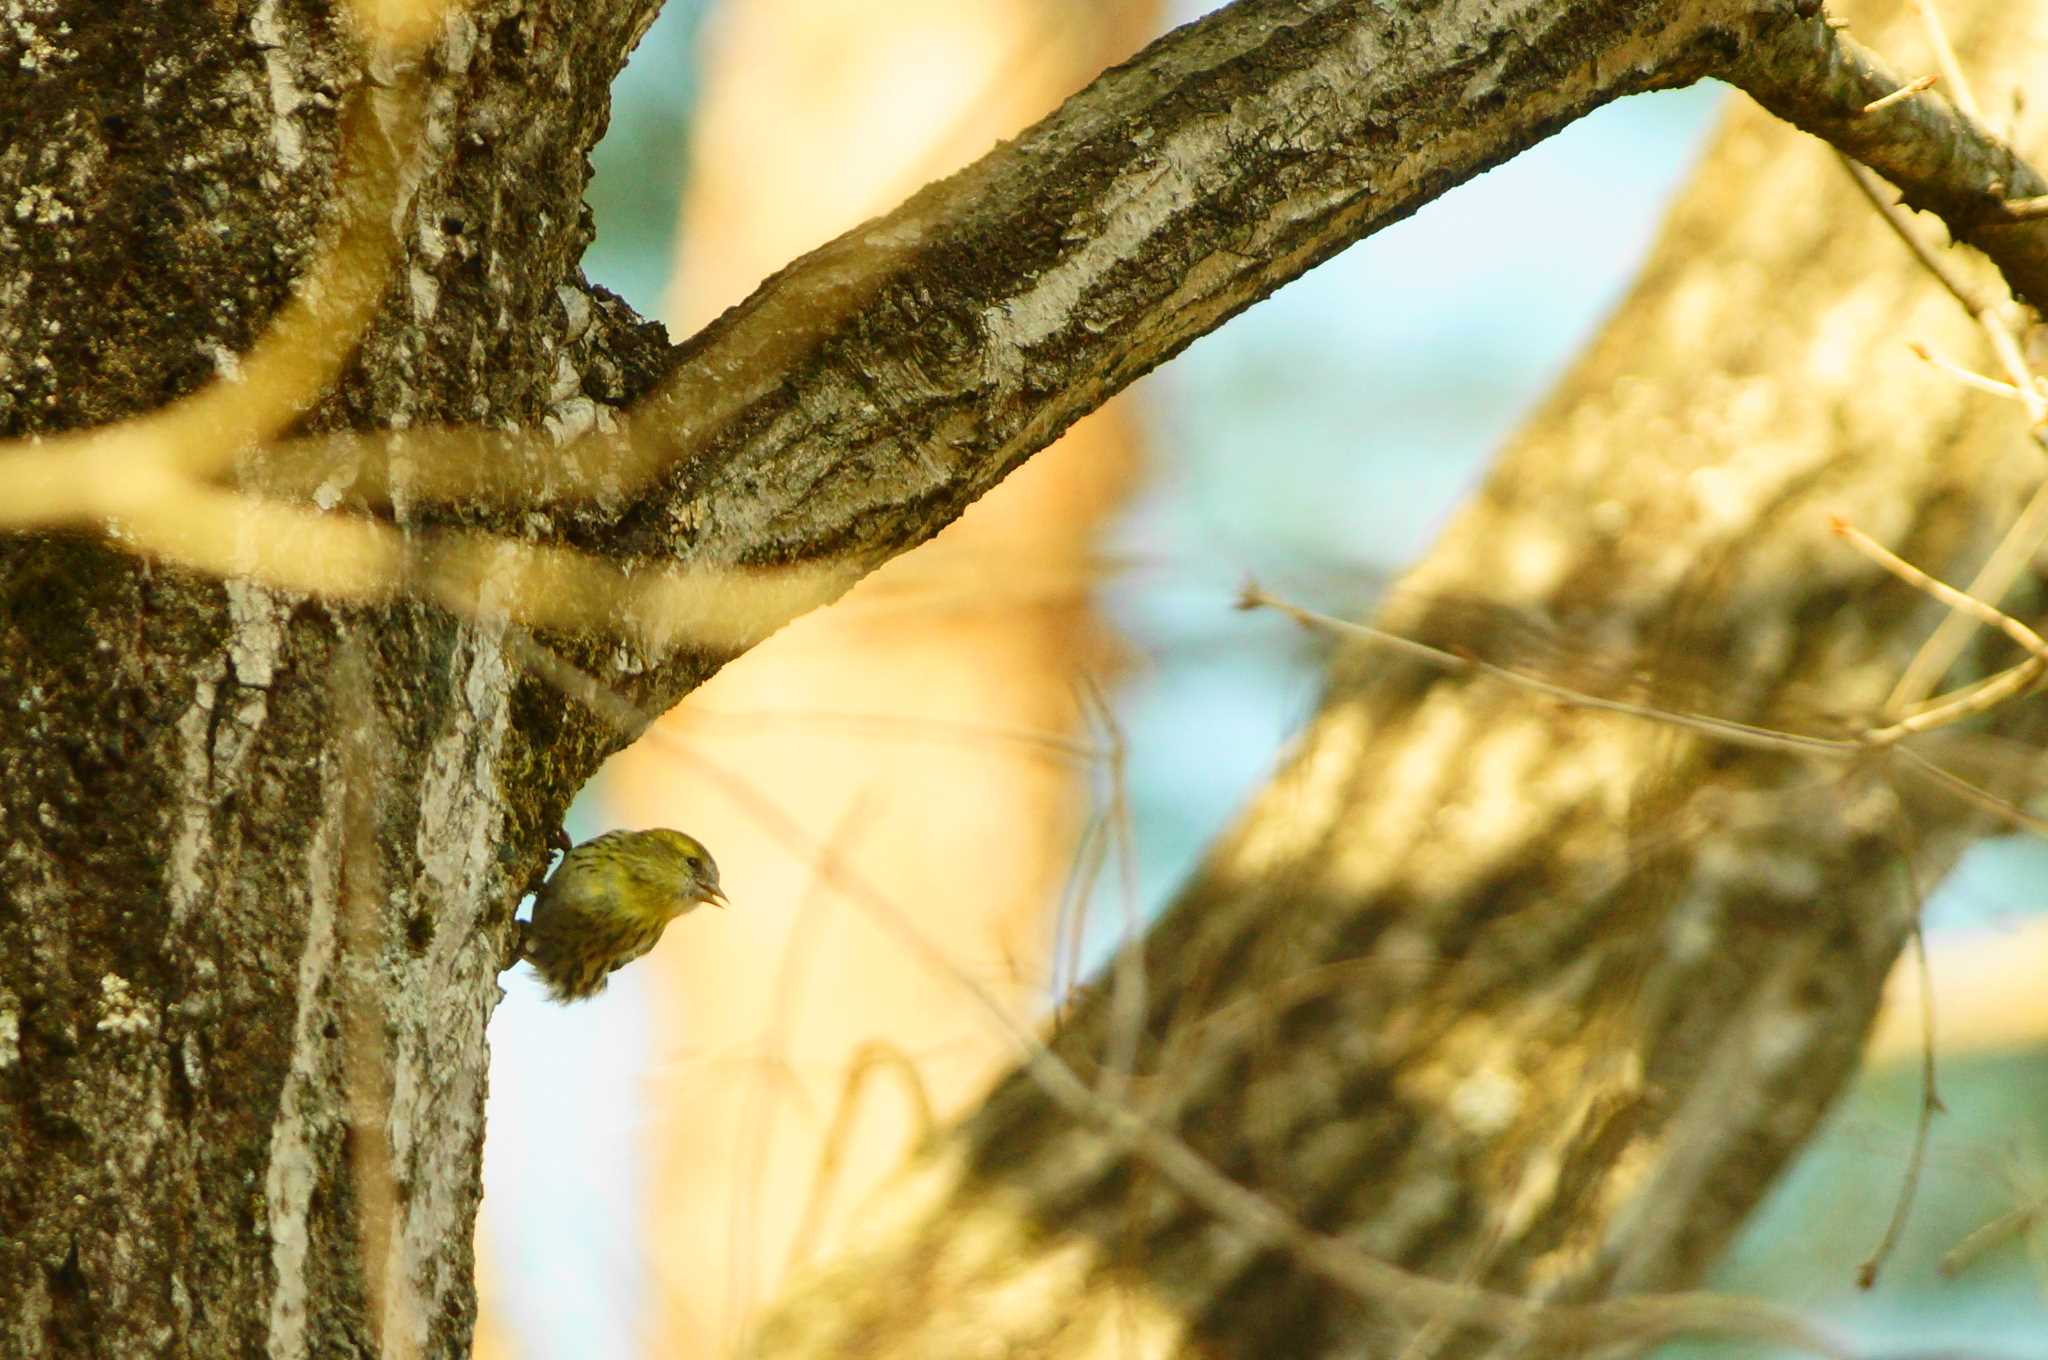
x: 608, y: 902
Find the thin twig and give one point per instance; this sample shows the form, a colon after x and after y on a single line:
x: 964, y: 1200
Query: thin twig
x: 1988, y: 1236
x: 1960, y: 601
x: 1821, y: 80
x: 896, y: 727
x: 1890, y: 738
x: 1637, y: 1320
x: 1930, y: 1099
x: 1965, y: 292
x: 2024, y: 209
x: 1070, y: 930
x: 1996, y: 576
x: 1945, y: 58
x: 1127, y: 1003
x: 1992, y: 313
x: 1721, y: 729
x: 1971, y: 700
x: 1905, y: 91
x: 1967, y: 377
x: 744, y: 1229
x: 1990, y: 802
x: 1997, y: 317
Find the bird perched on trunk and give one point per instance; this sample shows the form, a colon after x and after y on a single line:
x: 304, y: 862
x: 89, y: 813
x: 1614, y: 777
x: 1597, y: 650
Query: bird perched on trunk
x: 608, y: 902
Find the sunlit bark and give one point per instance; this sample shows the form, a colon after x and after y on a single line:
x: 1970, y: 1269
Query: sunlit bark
x: 263, y: 835
x: 1452, y: 989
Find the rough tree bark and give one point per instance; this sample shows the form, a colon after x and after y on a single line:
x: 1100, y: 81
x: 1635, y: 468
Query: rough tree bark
x: 261, y: 849
x: 179, y: 1155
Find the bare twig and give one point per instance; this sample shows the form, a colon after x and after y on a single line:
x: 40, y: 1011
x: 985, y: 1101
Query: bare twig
x: 1905, y: 91
x: 1127, y: 980
x: 1960, y: 601
x: 2002, y: 808
x: 1070, y: 929
x: 1721, y: 729
x: 1967, y: 702
x: 1992, y: 580
x: 1990, y: 1236
x: 1972, y: 699
x: 1945, y: 58
x: 1890, y: 738
x: 1820, y: 80
x: 2024, y: 209
x: 1930, y: 1099
x: 1968, y: 377
x: 1994, y: 313
x: 1997, y: 318
x: 1637, y: 1320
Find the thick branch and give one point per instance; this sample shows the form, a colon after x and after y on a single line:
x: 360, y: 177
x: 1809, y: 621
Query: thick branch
x: 865, y: 394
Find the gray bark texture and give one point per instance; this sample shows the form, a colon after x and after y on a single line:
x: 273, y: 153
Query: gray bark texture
x: 178, y: 1166
x: 261, y: 849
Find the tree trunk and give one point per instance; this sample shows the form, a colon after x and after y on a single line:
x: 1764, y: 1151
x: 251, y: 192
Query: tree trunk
x: 1452, y: 990
x: 262, y: 842
x: 262, y: 850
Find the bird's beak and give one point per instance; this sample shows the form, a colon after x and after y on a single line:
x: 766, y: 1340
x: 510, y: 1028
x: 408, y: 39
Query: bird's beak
x: 715, y: 896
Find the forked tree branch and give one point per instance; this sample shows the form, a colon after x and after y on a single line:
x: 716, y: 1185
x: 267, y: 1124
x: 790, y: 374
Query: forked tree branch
x: 174, y: 953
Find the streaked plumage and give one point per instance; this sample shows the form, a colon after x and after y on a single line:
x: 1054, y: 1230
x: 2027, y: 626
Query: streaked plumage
x: 608, y: 902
